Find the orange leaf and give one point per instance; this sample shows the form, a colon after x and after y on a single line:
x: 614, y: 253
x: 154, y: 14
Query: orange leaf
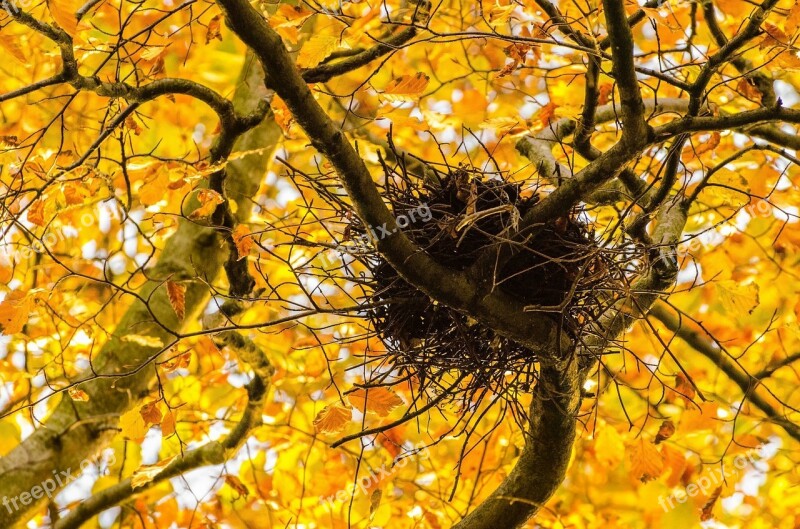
x: 746, y: 87
x: 333, y: 418
x: 378, y: 400
x: 684, y: 388
x: 712, y: 142
x: 12, y: 46
x: 604, y: 93
x: 63, y: 12
x: 214, y: 29
x: 647, y: 463
x: 243, y: 241
x: 237, y: 485
x: 151, y: 413
x: 547, y: 113
x: 176, y: 362
x: 36, y: 213
x: 168, y: 424
x: 675, y: 463
x: 209, y: 200
x: 406, y: 88
x: 705, y: 513
x: 666, y: 431
x: 792, y: 20
x: 775, y: 36
x: 176, y: 293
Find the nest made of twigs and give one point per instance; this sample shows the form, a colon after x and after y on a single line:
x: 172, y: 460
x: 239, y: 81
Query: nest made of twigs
x: 561, y: 271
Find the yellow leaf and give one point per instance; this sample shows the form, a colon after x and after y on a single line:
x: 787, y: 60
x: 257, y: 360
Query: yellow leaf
x: 737, y: 298
x: 499, y: 15
x: 14, y: 311
x: 406, y: 88
x: 78, y: 394
x: 378, y: 400
x: 147, y: 473
x: 728, y: 187
x: 152, y: 53
x: 609, y: 447
x: 287, y: 19
x: 133, y: 426
x: 176, y: 292
x: 647, y: 463
x: 333, y: 419
x: 316, y: 49
x: 12, y: 46
x: 63, y: 12
x: 9, y: 436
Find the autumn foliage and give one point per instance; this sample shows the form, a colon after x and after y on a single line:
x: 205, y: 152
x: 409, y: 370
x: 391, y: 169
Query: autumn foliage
x: 608, y: 340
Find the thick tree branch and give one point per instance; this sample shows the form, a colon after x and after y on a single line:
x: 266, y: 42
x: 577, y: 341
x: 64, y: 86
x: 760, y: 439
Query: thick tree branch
x: 619, y: 33
x: 447, y: 286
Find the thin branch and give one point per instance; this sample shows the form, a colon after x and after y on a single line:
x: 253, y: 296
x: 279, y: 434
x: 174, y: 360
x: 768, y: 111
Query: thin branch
x: 746, y: 382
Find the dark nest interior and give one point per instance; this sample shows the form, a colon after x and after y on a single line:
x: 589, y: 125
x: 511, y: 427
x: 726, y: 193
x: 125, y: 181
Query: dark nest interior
x: 563, y: 272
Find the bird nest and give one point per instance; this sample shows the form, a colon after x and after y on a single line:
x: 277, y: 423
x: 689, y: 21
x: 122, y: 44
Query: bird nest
x: 561, y: 271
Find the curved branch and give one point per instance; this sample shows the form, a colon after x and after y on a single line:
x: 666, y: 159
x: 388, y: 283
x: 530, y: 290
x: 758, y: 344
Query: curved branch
x: 213, y: 453
x: 452, y: 288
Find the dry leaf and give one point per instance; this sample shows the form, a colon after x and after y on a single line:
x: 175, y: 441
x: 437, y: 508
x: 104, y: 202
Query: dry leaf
x: 214, y: 30
x: 151, y: 413
x: 176, y: 292
x: 705, y: 512
x: 748, y: 89
x: 665, y: 431
x: 244, y: 243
